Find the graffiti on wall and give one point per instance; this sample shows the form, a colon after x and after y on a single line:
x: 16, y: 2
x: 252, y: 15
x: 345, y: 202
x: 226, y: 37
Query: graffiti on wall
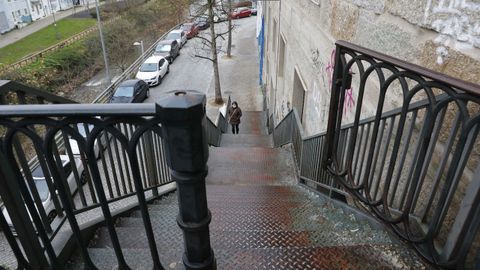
x: 349, y: 100
x: 457, y: 23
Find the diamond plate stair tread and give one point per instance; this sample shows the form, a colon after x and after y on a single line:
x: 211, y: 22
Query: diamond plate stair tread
x: 169, y: 236
x: 354, y: 257
x: 246, y: 140
x: 252, y: 122
x: 261, y: 219
x: 251, y: 166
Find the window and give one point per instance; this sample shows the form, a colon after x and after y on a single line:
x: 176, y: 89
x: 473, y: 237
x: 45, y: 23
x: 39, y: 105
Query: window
x: 298, y: 95
x: 281, y: 56
x: 161, y: 63
x: 13, y: 14
x: 26, y: 12
x: 19, y: 13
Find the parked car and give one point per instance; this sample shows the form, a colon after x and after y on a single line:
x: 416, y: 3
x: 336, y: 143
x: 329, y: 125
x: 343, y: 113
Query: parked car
x: 179, y: 35
x: 202, y: 22
x: 153, y: 70
x: 219, y: 16
x: 190, y: 29
x: 168, y: 49
x: 241, y: 12
x: 84, y: 130
x: 254, y: 11
x: 131, y: 91
x: 44, y: 193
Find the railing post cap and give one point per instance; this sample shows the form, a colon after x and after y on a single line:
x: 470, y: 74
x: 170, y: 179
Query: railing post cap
x: 182, y: 105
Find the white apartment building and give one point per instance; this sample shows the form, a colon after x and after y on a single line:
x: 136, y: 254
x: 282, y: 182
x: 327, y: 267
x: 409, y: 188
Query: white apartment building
x: 13, y: 13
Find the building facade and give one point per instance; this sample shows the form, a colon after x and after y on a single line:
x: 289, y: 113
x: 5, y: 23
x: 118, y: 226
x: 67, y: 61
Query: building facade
x: 13, y: 13
x: 16, y: 13
x: 299, y: 38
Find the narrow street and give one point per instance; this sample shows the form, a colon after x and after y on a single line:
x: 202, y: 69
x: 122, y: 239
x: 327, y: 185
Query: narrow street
x: 238, y: 75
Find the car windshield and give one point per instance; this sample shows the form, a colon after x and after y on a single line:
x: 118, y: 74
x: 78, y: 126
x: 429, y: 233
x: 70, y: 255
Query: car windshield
x: 124, y: 91
x: 40, y: 183
x: 173, y: 36
x: 148, y: 67
x: 164, y: 48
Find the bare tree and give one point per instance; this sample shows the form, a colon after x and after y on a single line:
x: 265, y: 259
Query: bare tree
x: 208, y: 48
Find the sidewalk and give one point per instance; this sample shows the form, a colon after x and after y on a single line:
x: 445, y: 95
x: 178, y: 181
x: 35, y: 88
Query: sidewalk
x: 15, y: 35
x: 239, y: 75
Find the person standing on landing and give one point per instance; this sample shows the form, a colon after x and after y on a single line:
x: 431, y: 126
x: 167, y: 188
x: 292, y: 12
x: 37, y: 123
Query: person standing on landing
x: 235, y: 113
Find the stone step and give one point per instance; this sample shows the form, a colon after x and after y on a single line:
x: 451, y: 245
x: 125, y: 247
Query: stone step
x: 246, y: 140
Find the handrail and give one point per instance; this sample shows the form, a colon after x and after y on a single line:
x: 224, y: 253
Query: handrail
x: 414, y: 166
x: 419, y: 70
x: 123, y: 153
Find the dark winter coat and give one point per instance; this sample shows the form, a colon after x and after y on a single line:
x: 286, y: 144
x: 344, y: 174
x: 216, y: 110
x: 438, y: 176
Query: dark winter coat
x: 235, y: 115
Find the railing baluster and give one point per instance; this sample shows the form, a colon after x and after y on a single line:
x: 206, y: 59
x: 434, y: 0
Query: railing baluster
x: 400, y: 167
x: 384, y: 157
x: 441, y: 167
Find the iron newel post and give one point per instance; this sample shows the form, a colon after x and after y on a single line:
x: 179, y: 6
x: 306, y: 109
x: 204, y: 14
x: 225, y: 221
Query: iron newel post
x: 187, y: 153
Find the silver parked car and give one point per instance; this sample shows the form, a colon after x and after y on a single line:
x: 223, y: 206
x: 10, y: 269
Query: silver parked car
x: 42, y: 187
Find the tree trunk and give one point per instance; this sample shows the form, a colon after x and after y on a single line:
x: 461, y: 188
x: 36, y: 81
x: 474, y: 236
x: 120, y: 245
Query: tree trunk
x: 213, y: 40
x: 229, y: 46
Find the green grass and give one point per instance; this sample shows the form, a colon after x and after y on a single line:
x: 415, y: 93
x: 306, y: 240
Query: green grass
x: 43, y: 39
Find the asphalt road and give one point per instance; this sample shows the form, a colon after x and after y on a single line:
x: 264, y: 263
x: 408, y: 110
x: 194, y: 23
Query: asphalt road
x: 188, y: 72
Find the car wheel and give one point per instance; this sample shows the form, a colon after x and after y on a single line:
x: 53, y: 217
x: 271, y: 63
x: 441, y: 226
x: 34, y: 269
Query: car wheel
x: 147, y: 94
x: 51, y: 216
x: 160, y: 78
x: 168, y: 69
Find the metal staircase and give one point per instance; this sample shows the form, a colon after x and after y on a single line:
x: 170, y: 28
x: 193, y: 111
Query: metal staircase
x: 261, y: 218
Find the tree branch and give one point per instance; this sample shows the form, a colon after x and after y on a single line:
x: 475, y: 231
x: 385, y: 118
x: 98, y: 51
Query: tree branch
x: 203, y: 57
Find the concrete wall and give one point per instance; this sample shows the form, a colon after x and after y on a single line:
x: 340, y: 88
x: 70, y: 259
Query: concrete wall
x: 443, y: 35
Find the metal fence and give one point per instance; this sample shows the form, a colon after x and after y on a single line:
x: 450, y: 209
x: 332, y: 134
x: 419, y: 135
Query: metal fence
x: 416, y: 167
x: 106, y: 153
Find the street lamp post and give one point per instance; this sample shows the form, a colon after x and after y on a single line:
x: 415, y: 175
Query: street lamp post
x: 105, y: 57
x: 57, y: 34
x: 141, y: 45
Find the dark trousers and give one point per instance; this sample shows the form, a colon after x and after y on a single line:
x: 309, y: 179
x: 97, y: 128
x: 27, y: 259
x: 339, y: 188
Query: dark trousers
x: 235, y: 128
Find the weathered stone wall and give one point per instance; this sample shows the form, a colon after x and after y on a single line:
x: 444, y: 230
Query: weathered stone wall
x: 443, y: 35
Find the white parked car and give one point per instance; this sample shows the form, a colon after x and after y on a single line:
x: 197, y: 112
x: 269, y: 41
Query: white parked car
x: 83, y: 132
x: 153, y: 70
x: 179, y: 35
x: 42, y: 187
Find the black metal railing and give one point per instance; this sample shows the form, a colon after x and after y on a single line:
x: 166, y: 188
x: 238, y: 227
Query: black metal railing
x: 411, y: 152
x: 307, y: 152
x: 215, y: 131
x: 91, y: 157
